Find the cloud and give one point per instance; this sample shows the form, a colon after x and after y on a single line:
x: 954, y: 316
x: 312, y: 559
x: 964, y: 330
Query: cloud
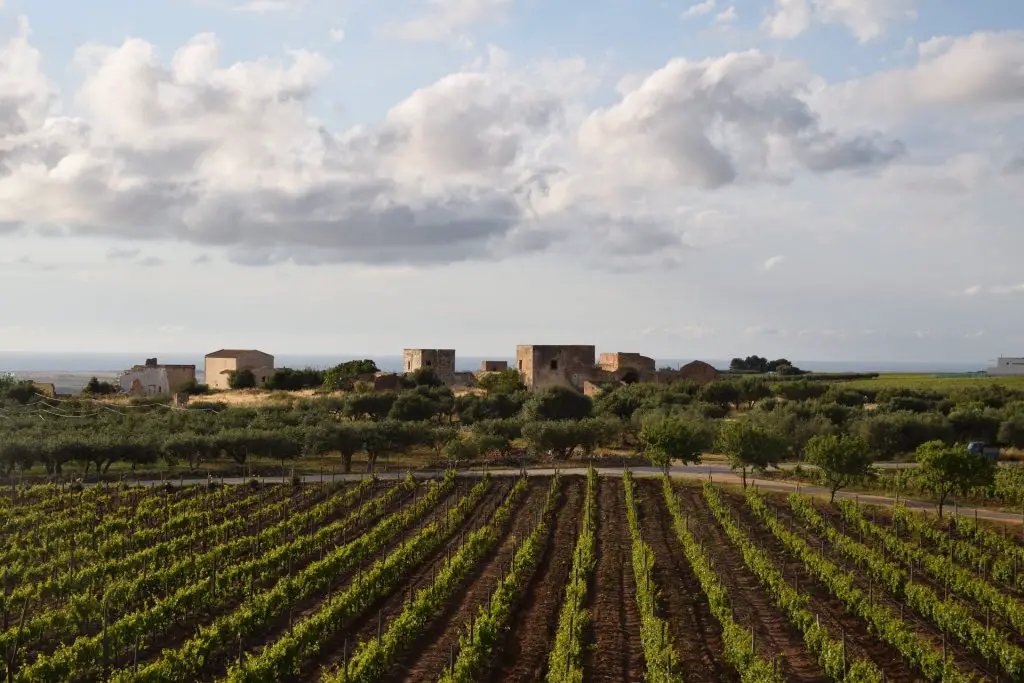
x: 726, y: 17
x: 980, y: 70
x: 1015, y: 165
x: 973, y: 290
x: 265, y: 6
x: 699, y: 9
x: 762, y: 331
x: 337, y: 35
x: 1007, y: 289
x: 150, y: 261
x: 789, y: 19
x: 865, y: 19
x: 715, y: 122
x: 122, y: 254
x: 771, y: 262
x: 445, y: 19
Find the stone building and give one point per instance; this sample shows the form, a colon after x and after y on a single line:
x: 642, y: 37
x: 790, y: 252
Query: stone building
x: 441, y: 361
x: 220, y: 363
x: 631, y: 367
x: 695, y: 371
x: 153, y: 378
x: 543, y: 366
x: 494, y: 366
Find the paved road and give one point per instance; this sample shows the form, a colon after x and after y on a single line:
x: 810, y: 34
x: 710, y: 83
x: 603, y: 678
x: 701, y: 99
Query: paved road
x: 718, y: 472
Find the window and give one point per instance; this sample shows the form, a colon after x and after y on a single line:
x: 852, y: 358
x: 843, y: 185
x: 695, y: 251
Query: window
x: 408, y: 365
x: 520, y: 366
x: 427, y: 363
x: 554, y: 364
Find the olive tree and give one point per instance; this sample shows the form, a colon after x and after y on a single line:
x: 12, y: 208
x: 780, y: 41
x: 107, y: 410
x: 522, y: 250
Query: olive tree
x: 951, y: 470
x: 841, y: 458
x: 749, y: 446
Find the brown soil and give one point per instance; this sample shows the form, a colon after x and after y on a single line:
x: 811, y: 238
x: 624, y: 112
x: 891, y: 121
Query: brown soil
x: 427, y: 658
x: 175, y: 636
x: 964, y: 659
x: 832, y: 611
x: 775, y: 637
x: 523, y: 656
x: 682, y: 602
x: 364, y: 627
x: 617, y: 654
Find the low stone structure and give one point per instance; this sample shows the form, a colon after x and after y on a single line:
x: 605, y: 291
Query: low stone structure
x: 154, y: 378
x: 494, y: 366
x: 441, y: 361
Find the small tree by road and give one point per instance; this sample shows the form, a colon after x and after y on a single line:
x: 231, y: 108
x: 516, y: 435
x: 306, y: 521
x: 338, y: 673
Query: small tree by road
x: 664, y: 438
x: 749, y: 447
x: 951, y: 471
x: 841, y: 458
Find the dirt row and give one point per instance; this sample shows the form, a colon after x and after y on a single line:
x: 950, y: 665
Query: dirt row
x: 774, y: 635
x: 965, y: 659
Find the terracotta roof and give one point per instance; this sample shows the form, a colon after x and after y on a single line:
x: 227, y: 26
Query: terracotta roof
x: 232, y: 353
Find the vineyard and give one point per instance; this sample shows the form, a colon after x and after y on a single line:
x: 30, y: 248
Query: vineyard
x: 490, y: 578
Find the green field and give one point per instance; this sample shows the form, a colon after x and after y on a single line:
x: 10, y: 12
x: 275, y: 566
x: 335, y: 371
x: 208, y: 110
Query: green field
x: 937, y: 381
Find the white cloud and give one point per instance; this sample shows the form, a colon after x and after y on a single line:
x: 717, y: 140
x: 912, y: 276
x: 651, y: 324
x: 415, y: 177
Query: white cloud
x: 865, y: 19
x: 445, y: 19
x: 973, y: 290
x: 727, y: 16
x: 718, y: 121
x: 790, y: 19
x: 699, y: 9
x: 771, y: 262
x: 983, y: 69
x: 336, y: 34
x: 1007, y: 289
x: 495, y: 160
x: 265, y: 6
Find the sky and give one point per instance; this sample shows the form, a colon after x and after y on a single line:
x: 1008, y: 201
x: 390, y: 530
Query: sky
x: 815, y: 179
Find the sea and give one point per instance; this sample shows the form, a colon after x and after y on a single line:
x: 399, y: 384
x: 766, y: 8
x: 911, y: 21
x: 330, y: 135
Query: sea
x: 69, y: 372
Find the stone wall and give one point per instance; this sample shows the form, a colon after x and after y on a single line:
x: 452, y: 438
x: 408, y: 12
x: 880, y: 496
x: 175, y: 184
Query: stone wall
x: 553, y: 366
x: 441, y: 361
x: 494, y: 366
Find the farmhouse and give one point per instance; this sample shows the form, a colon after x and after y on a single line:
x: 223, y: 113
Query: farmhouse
x: 543, y: 366
x: 154, y: 378
x: 441, y: 361
x: 220, y: 363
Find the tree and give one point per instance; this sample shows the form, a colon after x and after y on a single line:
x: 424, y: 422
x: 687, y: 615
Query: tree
x: 411, y: 406
x: 423, y: 377
x: 503, y: 382
x: 342, y: 377
x: 664, y: 438
x: 94, y: 387
x: 951, y: 470
x: 749, y: 446
x: 557, y: 403
x: 375, y: 405
x: 841, y: 459
x: 241, y: 379
x: 560, y: 437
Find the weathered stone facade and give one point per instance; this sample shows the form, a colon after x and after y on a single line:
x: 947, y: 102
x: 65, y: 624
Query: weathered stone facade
x: 555, y: 366
x: 494, y: 366
x: 153, y: 378
x: 441, y: 361
x: 628, y: 366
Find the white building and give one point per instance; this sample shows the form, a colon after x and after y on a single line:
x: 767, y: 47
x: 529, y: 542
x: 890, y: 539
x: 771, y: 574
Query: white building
x: 1007, y: 366
x: 154, y: 378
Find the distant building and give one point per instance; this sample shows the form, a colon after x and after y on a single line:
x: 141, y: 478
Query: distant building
x: 631, y: 367
x: 220, y: 363
x: 441, y: 361
x: 543, y: 366
x: 153, y: 378
x: 46, y: 388
x: 494, y: 366
x: 1007, y: 366
x: 698, y: 371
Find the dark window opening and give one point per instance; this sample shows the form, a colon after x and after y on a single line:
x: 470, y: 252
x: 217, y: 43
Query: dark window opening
x: 520, y: 366
x: 427, y: 363
x: 554, y: 365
